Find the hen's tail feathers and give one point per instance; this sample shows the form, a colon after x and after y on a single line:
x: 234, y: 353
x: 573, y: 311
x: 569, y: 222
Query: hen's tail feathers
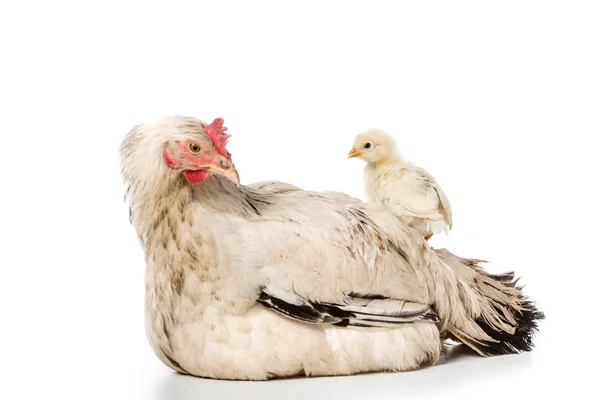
x: 486, y: 312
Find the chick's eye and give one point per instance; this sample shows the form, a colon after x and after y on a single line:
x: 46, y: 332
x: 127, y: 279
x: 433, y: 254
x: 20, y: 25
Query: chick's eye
x: 194, y: 148
x: 367, y: 145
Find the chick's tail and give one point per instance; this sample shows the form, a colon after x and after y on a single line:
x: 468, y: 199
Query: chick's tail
x: 486, y: 312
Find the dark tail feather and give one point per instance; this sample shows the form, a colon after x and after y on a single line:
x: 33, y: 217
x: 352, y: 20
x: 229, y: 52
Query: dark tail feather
x: 495, y: 317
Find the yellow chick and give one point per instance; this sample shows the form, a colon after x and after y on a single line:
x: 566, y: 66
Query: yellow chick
x: 407, y: 190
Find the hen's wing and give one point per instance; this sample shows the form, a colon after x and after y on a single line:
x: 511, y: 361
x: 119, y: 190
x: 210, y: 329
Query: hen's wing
x: 356, y: 310
x: 313, y: 252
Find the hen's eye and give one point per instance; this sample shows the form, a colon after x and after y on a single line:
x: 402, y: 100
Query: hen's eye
x: 367, y: 145
x: 194, y: 148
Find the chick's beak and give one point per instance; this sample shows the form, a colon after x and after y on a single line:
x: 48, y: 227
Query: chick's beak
x: 354, y: 153
x: 225, y: 168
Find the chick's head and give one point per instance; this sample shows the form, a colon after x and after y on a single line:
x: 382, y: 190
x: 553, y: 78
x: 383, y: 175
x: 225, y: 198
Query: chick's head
x: 373, y: 146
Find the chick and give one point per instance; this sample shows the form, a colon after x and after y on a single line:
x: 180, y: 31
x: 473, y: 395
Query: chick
x: 407, y: 190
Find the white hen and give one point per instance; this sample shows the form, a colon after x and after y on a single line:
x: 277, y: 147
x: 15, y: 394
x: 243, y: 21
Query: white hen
x: 409, y: 191
x: 263, y: 281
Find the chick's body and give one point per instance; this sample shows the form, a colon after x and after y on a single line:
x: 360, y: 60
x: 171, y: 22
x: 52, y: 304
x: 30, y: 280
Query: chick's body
x: 408, y: 191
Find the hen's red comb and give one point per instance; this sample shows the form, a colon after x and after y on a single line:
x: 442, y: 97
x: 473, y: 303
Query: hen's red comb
x: 216, y: 133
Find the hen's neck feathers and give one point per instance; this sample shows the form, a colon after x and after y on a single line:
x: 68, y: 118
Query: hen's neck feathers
x: 219, y: 194
x: 170, y: 200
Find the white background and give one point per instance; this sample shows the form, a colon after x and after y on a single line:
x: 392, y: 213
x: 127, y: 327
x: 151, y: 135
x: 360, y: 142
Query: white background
x: 501, y: 102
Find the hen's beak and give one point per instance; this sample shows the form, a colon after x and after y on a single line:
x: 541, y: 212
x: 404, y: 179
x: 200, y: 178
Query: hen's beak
x: 354, y: 153
x: 226, y: 169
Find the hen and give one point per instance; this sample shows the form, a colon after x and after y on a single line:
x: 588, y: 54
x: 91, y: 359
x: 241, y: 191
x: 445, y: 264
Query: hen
x: 268, y: 280
x: 409, y: 191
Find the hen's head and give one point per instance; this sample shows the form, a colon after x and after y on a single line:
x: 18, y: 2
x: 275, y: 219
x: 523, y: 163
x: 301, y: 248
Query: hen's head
x: 373, y: 146
x: 199, y: 150
x: 178, y: 144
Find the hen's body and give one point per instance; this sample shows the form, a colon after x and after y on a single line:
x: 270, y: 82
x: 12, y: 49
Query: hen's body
x: 270, y: 280
x: 204, y: 320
